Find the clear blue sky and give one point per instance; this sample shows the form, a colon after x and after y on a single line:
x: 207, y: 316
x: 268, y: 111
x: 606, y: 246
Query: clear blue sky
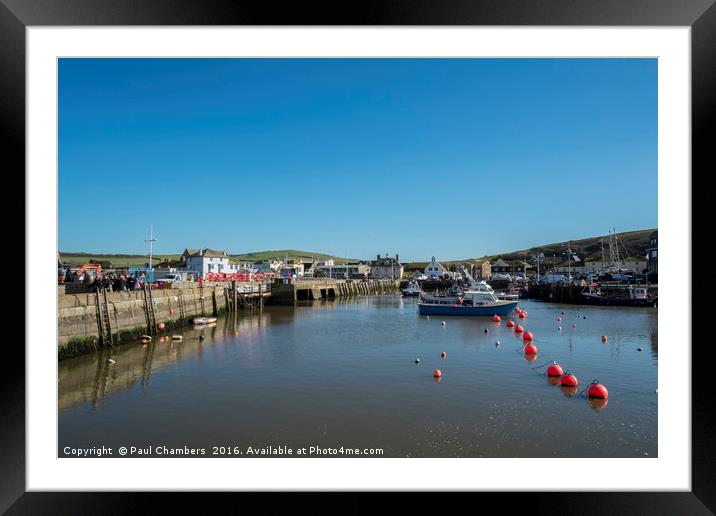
x: 455, y: 158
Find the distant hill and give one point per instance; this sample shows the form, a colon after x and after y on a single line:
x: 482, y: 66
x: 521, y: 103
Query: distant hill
x: 134, y: 260
x: 117, y: 260
x: 290, y: 253
x: 632, y: 244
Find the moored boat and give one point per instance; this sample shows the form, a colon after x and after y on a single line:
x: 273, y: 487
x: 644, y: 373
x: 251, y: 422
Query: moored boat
x: 412, y: 290
x: 629, y: 295
x: 203, y: 320
x: 478, y: 300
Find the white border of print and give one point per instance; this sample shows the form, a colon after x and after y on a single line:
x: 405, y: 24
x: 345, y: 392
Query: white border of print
x: 669, y: 471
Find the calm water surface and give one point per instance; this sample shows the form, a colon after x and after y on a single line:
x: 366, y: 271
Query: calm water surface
x: 343, y: 373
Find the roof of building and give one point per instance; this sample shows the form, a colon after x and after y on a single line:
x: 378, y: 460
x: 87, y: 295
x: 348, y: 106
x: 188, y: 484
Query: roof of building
x: 211, y: 253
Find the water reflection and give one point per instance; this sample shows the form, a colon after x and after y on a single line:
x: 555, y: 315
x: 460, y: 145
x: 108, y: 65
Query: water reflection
x: 342, y: 371
x: 91, y: 378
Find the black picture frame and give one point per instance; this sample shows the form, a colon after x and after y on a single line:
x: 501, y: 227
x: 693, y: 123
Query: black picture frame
x: 17, y: 15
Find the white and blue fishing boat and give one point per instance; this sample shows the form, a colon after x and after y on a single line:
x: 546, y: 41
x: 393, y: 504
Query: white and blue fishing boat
x: 477, y: 300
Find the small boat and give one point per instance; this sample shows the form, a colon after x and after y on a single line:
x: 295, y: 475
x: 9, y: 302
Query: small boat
x: 507, y: 296
x: 629, y: 295
x: 412, y: 290
x: 478, y: 300
x: 203, y: 320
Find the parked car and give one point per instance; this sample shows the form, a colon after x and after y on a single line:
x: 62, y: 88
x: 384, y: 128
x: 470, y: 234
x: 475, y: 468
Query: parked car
x: 169, y: 279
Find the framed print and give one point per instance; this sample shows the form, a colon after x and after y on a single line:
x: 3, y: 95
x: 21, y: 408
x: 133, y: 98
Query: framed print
x: 413, y: 249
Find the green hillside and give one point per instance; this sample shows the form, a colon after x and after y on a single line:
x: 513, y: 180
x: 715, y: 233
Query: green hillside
x: 632, y: 244
x: 117, y: 260
x: 134, y: 260
x: 289, y: 253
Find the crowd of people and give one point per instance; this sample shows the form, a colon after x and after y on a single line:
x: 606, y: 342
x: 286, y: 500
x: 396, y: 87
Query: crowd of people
x: 109, y: 281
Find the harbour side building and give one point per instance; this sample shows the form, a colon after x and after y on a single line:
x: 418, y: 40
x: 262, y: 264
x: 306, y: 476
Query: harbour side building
x: 387, y: 267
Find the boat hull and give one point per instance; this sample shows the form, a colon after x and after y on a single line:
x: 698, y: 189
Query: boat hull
x: 615, y: 301
x: 484, y: 311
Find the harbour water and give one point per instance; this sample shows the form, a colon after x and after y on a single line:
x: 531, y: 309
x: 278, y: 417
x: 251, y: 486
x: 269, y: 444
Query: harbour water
x: 343, y: 373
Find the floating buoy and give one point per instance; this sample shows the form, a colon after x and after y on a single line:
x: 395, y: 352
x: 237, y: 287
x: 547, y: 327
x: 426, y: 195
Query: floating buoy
x: 521, y: 315
x: 160, y: 326
x: 530, y: 357
x: 562, y: 313
x: 574, y: 326
x: 437, y: 373
x: 443, y: 354
x: 554, y: 370
x: 597, y: 390
x: 639, y: 349
x: 496, y: 318
x: 527, y: 336
x: 487, y: 331
x: 417, y: 360
x: 519, y: 329
x: 443, y: 323
x: 517, y: 309
x: 604, y: 338
x: 559, y: 318
x: 524, y: 312
x: 497, y: 343
x: 569, y: 380
x: 559, y: 328
x: 530, y: 349
x: 510, y: 324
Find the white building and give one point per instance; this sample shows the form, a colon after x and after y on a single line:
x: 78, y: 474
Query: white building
x: 205, y: 261
x: 435, y: 268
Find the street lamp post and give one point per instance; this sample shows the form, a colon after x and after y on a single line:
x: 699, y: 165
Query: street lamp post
x: 151, y: 241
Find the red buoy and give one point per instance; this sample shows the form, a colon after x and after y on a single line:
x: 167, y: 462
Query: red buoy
x: 496, y: 318
x: 519, y: 329
x: 521, y: 315
x: 597, y: 390
x: 437, y: 373
x: 569, y: 380
x: 160, y: 326
x: 518, y: 309
x: 554, y: 370
x: 527, y: 336
x: 559, y: 318
x: 530, y: 349
x: 524, y: 312
x: 604, y: 338
x: 574, y: 326
x: 510, y: 323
